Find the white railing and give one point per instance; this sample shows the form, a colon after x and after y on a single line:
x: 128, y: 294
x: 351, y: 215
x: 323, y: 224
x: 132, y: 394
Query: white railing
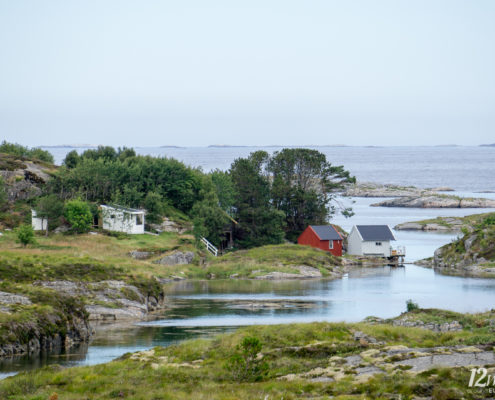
x: 212, y: 249
x: 399, y: 251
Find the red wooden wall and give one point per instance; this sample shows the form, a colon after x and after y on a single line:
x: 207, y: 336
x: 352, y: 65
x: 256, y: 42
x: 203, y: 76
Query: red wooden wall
x: 310, y: 238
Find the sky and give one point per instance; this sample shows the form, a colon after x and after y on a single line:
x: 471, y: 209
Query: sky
x: 257, y: 72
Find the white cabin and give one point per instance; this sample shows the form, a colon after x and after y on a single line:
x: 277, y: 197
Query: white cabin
x: 122, y: 219
x: 38, y: 224
x: 370, y: 240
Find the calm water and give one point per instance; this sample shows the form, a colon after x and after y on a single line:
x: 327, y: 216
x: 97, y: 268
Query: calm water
x: 462, y: 168
x: 207, y: 308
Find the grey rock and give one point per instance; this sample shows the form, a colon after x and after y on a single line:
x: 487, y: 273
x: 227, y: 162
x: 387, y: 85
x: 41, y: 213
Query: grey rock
x: 11, y: 298
x: 177, y: 258
x: 469, y: 241
x: 305, y: 272
x: 432, y: 201
x: 141, y: 255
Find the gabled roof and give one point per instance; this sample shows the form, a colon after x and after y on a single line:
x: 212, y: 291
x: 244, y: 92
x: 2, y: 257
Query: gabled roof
x: 122, y: 208
x: 375, y: 232
x: 326, y: 232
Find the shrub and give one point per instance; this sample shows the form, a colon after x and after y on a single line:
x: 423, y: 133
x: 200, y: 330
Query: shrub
x: 78, y: 215
x: 25, y: 235
x: 245, y: 364
x: 24, y: 152
x: 411, y: 305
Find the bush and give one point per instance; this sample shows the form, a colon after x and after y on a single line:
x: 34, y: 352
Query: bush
x: 25, y: 235
x: 245, y: 364
x: 411, y: 305
x: 78, y: 215
x: 24, y: 152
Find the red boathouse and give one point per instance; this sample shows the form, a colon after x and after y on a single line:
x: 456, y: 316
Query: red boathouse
x: 324, y: 237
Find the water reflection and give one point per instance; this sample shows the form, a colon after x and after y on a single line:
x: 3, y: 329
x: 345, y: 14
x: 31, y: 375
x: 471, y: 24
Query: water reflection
x: 206, y: 308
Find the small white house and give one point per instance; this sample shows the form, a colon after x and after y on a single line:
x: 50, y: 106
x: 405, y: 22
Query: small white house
x: 370, y: 240
x: 38, y: 224
x: 122, y: 219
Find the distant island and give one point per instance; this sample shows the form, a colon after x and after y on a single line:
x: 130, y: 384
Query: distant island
x: 487, y: 145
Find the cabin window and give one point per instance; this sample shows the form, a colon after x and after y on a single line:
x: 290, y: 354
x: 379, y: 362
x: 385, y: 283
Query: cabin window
x: 139, y: 219
x: 330, y: 246
x: 378, y: 243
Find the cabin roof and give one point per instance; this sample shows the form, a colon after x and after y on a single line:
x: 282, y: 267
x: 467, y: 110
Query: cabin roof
x: 326, y: 232
x: 122, y: 208
x: 375, y: 232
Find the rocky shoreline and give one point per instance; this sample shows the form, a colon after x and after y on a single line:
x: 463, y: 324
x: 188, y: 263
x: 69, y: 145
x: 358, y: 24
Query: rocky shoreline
x: 370, y: 189
x: 436, y: 201
x: 106, y: 301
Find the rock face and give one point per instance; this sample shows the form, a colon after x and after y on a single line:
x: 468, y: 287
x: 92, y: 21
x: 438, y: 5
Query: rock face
x: 25, y: 181
x: 177, y: 258
x: 169, y: 226
x: 471, y: 255
x: 113, y: 300
x: 77, y: 332
x: 436, y: 202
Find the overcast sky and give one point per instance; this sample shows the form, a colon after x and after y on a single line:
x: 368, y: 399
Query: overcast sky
x: 252, y: 72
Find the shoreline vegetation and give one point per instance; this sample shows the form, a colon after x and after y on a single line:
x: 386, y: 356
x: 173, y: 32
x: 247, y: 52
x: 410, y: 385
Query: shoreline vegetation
x: 472, y: 254
x: 421, y: 353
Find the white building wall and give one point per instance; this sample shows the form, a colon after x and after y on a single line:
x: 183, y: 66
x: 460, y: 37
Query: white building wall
x: 354, y: 243
x: 38, y: 224
x: 122, y: 221
x: 371, y: 248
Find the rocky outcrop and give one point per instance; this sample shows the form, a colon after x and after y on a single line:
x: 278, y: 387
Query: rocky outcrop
x: 305, y: 272
x: 168, y: 225
x: 471, y: 255
x: 77, y: 331
x: 24, y: 180
x: 177, y: 258
x: 437, y: 202
x: 368, y: 189
x: 109, y: 300
x: 452, y: 326
x: 10, y: 298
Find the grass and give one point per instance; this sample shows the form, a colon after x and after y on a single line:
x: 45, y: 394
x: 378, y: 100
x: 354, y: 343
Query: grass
x: 201, y: 368
x: 467, y: 221
x: 262, y: 260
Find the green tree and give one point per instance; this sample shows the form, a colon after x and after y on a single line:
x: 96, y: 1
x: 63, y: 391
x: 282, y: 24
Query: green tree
x: 245, y: 364
x: 224, y: 188
x: 209, y: 219
x: 78, y: 215
x: 71, y: 159
x: 51, y: 208
x: 303, y: 187
x: 153, y: 203
x: 25, y: 235
x: 258, y: 222
x: 25, y: 152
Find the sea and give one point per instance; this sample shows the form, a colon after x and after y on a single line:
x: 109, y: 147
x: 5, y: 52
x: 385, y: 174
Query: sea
x: 467, y: 169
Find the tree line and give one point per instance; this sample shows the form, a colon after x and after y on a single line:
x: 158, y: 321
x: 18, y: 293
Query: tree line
x: 267, y: 198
